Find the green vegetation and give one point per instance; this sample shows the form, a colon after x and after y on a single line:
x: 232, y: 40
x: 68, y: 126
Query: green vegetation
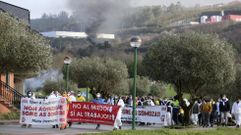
x: 14, y: 115
x: 192, y: 62
x: 151, y: 22
x: 196, y: 64
x: 102, y: 75
x: 219, y: 131
x: 143, y: 85
x: 21, y: 49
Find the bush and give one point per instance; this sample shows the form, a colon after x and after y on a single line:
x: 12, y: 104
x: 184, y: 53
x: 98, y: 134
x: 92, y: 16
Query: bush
x: 10, y: 116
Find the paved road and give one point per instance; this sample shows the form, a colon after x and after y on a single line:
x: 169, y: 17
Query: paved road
x: 15, y: 129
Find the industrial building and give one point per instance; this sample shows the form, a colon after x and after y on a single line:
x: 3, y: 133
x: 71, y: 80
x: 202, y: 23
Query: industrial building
x: 219, y: 16
x: 71, y: 34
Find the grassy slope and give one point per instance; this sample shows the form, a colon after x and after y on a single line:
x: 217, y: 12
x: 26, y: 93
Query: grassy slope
x: 227, y: 131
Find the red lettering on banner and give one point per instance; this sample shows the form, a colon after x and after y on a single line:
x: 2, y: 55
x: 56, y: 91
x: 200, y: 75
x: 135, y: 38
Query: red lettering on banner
x: 42, y: 114
x: 30, y: 108
x: 51, y: 108
x: 126, y: 111
x: 148, y: 113
x: 29, y: 113
x: 92, y: 113
x: 55, y: 113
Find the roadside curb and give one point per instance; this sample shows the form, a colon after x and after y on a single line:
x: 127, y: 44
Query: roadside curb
x: 9, y: 122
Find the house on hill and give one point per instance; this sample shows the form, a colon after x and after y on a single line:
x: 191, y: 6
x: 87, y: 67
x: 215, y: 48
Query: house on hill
x: 15, y: 11
x: 219, y: 16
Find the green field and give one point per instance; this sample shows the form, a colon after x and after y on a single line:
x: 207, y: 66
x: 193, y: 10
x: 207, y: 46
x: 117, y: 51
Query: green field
x: 219, y: 131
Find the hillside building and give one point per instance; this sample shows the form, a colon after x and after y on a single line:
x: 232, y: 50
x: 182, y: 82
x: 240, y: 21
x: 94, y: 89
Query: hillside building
x: 216, y: 16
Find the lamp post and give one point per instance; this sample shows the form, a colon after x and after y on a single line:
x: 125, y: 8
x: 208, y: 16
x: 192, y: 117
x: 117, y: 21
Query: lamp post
x: 135, y: 42
x: 67, y: 61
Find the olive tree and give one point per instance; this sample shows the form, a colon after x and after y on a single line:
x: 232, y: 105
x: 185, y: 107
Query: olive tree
x: 22, y: 50
x: 192, y: 62
x: 102, y: 75
x: 143, y: 85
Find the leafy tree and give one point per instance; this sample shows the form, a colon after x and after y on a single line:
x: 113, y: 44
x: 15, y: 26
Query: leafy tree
x: 143, y: 85
x: 233, y: 89
x: 59, y: 86
x: 158, y: 89
x: 192, y: 62
x: 21, y: 49
x: 102, y: 75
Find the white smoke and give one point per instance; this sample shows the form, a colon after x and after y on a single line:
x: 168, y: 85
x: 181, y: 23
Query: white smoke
x: 38, y: 82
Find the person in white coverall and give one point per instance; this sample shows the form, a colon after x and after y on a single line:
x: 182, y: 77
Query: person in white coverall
x: 118, y: 122
x: 236, y: 111
x: 54, y: 94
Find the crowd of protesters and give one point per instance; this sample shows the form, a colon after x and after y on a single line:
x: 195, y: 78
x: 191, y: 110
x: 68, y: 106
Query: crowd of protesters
x: 204, y: 112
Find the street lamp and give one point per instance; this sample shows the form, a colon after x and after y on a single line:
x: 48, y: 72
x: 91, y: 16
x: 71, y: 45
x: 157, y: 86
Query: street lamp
x: 135, y: 42
x: 67, y: 61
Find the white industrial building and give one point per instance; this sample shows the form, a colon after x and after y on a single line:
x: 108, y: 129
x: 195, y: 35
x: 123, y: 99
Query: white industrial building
x: 64, y: 34
x: 70, y: 34
x: 105, y: 36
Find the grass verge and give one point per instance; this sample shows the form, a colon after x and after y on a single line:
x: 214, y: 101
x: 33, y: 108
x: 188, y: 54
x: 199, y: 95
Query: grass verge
x: 10, y: 116
x: 219, y: 131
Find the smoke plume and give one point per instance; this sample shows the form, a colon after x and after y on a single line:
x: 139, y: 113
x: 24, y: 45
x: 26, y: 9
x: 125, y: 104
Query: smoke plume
x: 38, y: 82
x: 99, y: 15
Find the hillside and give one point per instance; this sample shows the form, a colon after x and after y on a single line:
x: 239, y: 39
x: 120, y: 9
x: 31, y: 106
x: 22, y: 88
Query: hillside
x: 149, y: 22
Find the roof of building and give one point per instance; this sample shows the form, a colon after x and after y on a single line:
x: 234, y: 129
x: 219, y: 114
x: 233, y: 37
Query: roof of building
x: 16, y: 11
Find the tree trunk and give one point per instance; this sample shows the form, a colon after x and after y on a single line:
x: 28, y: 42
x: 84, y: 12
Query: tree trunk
x: 187, y: 112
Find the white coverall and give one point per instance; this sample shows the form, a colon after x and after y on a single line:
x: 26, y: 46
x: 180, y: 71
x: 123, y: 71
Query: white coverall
x: 236, y: 111
x: 118, y: 122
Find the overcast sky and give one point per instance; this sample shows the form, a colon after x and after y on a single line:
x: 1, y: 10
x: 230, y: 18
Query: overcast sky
x: 38, y: 7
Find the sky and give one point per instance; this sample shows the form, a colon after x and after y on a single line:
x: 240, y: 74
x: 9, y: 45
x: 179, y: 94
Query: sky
x: 38, y: 7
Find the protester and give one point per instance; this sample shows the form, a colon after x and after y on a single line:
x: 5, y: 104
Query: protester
x: 110, y: 100
x: 64, y: 126
x: 118, y: 122
x: 195, y: 113
x: 206, y: 109
x: 150, y: 102
x: 31, y: 95
x: 157, y: 102
x: 70, y: 98
x: 214, y: 113
x: 169, y: 114
x: 224, y: 108
x: 181, y: 115
x: 236, y: 111
x: 54, y: 94
x: 164, y: 102
x: 175, y: 110
x: 80, y: 97
x: 130, y: 101
x: 98, y: 100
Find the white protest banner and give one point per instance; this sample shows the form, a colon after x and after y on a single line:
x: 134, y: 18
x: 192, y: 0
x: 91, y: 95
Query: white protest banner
x: 150, y: 114
x: 43, y: 111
